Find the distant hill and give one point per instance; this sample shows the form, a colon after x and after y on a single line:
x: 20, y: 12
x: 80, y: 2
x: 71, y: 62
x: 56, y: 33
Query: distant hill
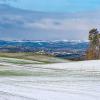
x: 82, y: 45
x: 62, y: 49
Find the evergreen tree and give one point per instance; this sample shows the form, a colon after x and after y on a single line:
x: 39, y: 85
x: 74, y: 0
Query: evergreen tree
x: 94, y: 47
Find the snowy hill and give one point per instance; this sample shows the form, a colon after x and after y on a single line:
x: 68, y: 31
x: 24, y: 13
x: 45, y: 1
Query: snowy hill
x: 33, y: 80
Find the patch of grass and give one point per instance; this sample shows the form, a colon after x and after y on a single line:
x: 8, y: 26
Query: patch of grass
x: 14, y: 73
x: 1, y: 65
x: 14, y: 61
x: 23, y: 73
x: 34, y: 57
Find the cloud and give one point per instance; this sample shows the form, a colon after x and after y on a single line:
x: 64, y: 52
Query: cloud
x: 19, y: 24
x: 63, y: 24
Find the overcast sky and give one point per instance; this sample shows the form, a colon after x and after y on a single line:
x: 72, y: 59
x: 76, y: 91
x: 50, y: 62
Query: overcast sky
x: 78, y: 17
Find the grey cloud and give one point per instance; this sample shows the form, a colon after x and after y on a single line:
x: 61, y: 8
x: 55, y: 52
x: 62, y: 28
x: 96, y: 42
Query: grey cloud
x: 20, y: 24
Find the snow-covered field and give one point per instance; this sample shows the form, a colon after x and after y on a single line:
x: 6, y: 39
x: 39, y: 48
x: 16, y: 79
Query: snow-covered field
x: 31, y: 80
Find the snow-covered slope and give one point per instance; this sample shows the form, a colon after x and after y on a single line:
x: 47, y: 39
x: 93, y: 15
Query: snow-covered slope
x: 79, y: 65
x: 61, y: 81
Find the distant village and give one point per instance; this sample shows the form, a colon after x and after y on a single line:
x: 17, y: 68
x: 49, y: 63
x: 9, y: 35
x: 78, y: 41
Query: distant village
x: 62, y: 49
